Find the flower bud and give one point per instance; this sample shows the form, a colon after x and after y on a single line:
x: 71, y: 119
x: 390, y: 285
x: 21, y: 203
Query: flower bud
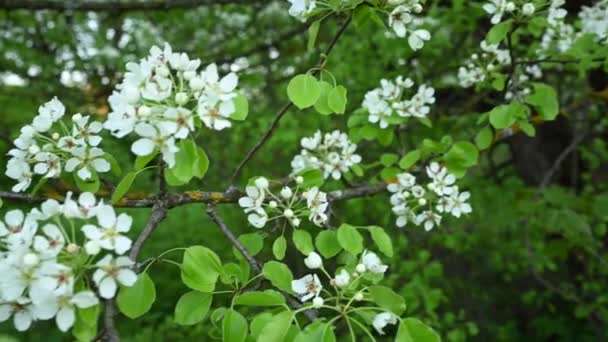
x: 30, y: 259
x: 288, y: 213
x: 261, y: 183
x: 510, y: 7
x: 361, y: 268
x: 55, y: 136
x: 131, y: 94
x: 299, y: 179
x: 313, y: 261
x: 286, y: 193
x: 34, y: 149
x: 342, y: 279
x: 162, y: 71
x: 181, y: 98
x: 72, y: 248
x: 197, y: 83
x: 422, y: 201
x: 296, y: 222
x: 188, y: 75
x: 273, y: 204
x: 317, y: 302
x: 144, y: 111
x: 358, y: 296
x: 528, y: 9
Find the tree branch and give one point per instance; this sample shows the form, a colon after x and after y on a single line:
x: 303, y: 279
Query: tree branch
x: 159, y: 212
x: 110, y: 333
x: 285, y: 107
x: 114, y: 6
x: 255, y: 265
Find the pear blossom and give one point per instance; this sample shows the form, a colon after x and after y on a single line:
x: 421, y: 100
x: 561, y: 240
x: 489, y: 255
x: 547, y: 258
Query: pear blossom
x: 383, y: 319
x: 111, y: 271
x: 22, y: 312
x: 307, y: 287
x: 372, y: 262
x: 108, y: 235
x: 497, y: 8
x: 300, y: 8
x: 87, y: 161
x: 313, y: 261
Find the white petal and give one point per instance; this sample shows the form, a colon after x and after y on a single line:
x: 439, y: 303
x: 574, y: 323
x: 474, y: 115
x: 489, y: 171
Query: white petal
x: 123, y: 223
x: 84, y: 173
x: 84, y: 299
x: 107, y: 288
x: 22, y: 320
x: 101, y: 165
x: 65, y: 319
x: 229, y: 82
x: 106, y: 217
x: 127, y: 277
x: 143, y: 147
x: 122, y: 244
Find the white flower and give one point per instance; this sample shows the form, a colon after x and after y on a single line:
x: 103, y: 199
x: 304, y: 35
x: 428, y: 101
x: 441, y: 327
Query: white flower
x: 417, y: 38
x: 383, y: 319
x: 180, y: 123
x: 373, y: 263
x: 342, y: 279
x: 398, y: 20
x: 52, y: 243
x: 63, y: 307
x: 459, y: 205
x: 20, y: 171
x: 22, y: 312
x: 216, y: 103
x: 429, y: 219
x: 313, y: 261
x: 87, y: 161
x: 316, y: 201
x: 83, y: 130
x: 497, y: 8
x: 108, y: 235
x: 307, y: 287
x: 152, y: 138
x: 528, y: 9
x: 258, y: 218
x: 85, y: 208
x: 48, y: 114
x: 301, y: 8
x: 110, y: 271
x: 47, y: 164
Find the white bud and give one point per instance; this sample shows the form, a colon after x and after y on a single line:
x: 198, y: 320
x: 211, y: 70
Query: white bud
x: 144, y: 111
x: 490, y: 67
x: 286, y: 192
x: 34, y: 149
x: 162, y: 71
x: 317, y: 302
x: 422, y: 201
x: 528, y: 9
x: 131, y: 94
x: 313, y: 261
x: 261, y: 183
x: 296, y: 222
x: 188, y: 75
x: 510, y: 7
x: 31, y: 259
x: 361, y: 268
x: 181, y: 98
x: 474, y: 56
x: 77, y: 117
x: 299, y: 179
x: 358, y: 296
x: 72, y: 248
x: 342, y: 279
x: 55, y: 136
x: 273, y: 204
x: 197, y: 83
x: 288, y: 213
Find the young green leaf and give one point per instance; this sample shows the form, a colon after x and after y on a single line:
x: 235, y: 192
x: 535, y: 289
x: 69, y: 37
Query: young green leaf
x: 350, y: 239
x: 313, y: 32
x: 327, y: 243
x: 413, y: 330
x: 277, y: 328
x: 336, y: 99
x: 382, y: 240
x: 303, y: 241
x: 200, y: 268
x: 484, y: 138
x: 303, y: 90
x: 136, y: 300
x: 279, y: 247
x: 499, y: 31
x: 234, y: 327
x: 544, y: 99
x: 123, y: 187
x: 257, y: 298
x: 322, y: 105
x: 278, y: 274
x: 386, y: 298
x: 241, y: 108
x: 409, y: 159
x: 192, y: 307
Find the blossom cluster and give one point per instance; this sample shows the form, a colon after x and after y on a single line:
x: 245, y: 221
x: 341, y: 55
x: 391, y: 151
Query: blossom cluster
x: 478, y: 66
x: 263, y: 206
x: 413, y: 203
x: 332, y: 153
x: 164, y: 97
x: 47, y: 146
x: 310, y: 286
x: 46, y: 256
x: 402, y: 20
x: 388, y: 104
x: 498, y: 8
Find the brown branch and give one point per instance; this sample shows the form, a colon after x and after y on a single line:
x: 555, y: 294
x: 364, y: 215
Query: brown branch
x: 159, y: 212
x: 286, y: 107
x: 110, y: 333
x: 360, y: 191
x: 255, y: 265
x: 113, y: 6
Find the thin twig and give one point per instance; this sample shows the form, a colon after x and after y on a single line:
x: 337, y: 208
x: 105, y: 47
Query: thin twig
x: 285, y: 108
x: 158, y: 214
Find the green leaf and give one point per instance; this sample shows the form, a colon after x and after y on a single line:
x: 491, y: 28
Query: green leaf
x: 141, y: 162
x: 279, y: 247
x: 234, y: 327
x: 463, y: 151
x: 544, y: 99
x: 114, y: 165
x: 259, y: 322
x: 313, y: 32
x: 241, y: 108
x: 303, y: 241
x: 278, y: 274
x: 413, y: 330
x: 277, y: 328
x: 256, y: 298
x: 136, y: 300
x: 90, y: 185
x: 317, y: 331
x: 499, y: 31
x: 350, y: 239
x: 201, y: 165
x: 200, y: 268
x: 312, y: 178
x: 322, y: 105
x: 336, y: 99
x: 527, y: 128
x: 502, y: 117
x: 123, y: 187
x: 484, y: 138
x: 388, y: 159
x: 409, y: 159
x: 185, y: 159
x: 192, y: 307
x: 382, y: 240
x: 327, y: 243
x: 253, y: 242
x: 387, y: 299
x: 303, y: 90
